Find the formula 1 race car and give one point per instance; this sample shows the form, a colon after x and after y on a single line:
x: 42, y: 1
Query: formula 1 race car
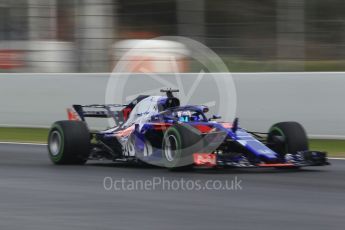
x: 157, y: 130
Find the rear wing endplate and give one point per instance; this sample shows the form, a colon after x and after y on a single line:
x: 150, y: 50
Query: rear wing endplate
x: 99, y: 111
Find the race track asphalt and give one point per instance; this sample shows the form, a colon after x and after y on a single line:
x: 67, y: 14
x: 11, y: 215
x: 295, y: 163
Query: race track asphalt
x: 34, y: 194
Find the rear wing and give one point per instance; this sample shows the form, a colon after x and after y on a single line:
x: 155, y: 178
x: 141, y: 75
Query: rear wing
x: 119, y: 112
x: 80, y: 112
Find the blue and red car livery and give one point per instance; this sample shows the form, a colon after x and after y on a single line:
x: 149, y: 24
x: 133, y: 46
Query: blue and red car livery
x: 158, y: 130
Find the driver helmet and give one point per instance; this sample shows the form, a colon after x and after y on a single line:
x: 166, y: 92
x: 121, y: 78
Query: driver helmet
x: 184, y: 116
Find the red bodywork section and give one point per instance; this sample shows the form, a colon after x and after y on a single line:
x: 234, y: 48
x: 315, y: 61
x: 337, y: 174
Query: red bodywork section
x: 72, y: 115
x: 161, y: 126
x: 226, y: 125
x: 276, y: 165
x: 126, y: 111
x: 125, y: 133
x: 203, y: 128
x: 204, y: 159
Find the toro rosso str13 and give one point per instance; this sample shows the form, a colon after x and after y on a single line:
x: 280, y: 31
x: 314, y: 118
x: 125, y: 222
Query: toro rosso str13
x: 158, y: 130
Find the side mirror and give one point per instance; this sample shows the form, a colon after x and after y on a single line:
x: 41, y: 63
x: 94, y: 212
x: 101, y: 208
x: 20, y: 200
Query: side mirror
x: 235, y: 125
x: 215, y: 117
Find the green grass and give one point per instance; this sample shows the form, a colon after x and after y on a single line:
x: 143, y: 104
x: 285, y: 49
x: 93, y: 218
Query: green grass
x: 31, y: 135
x: 335, y: 148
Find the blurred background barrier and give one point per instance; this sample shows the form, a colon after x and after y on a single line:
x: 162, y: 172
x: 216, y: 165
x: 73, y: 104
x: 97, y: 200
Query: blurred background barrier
x: 314, y: 99
x: 150, y: 56
x: 249, y: 35
x: 286, y: 38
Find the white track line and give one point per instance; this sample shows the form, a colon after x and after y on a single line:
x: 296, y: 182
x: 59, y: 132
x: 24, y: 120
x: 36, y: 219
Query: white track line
x: 21, y: 143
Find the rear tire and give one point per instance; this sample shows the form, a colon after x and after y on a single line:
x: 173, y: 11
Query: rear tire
x: 179, y: 144
x: 69, y: 143
x: 287, y: 137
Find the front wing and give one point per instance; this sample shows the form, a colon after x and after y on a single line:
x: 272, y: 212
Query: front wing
x: 301, y: 159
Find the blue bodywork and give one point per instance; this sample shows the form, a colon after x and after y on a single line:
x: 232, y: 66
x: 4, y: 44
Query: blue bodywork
x: 148, y: 117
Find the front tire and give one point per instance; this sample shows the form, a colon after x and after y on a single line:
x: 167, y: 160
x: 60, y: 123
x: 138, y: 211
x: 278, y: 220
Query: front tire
x: 287, y: 137
x: 69, y: 143
x: 179, y: 144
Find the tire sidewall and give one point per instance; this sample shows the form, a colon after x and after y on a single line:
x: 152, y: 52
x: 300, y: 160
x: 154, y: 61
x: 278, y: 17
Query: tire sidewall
x: 59, y: 156
x: 74, y: 146
x: 295, y: 138
x: 178, y: 151
x: 277, y: 129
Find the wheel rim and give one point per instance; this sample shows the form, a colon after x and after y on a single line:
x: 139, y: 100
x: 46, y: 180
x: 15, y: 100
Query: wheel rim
x: 147, y: 151
x: 282, y: 147
x: 170, y: 148
x: 55, y: 143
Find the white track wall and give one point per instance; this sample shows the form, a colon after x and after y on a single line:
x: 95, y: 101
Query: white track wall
x: 314, y: 99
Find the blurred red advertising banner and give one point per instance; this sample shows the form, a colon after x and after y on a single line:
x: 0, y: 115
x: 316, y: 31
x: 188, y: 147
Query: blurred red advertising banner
x: 11, y: 59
